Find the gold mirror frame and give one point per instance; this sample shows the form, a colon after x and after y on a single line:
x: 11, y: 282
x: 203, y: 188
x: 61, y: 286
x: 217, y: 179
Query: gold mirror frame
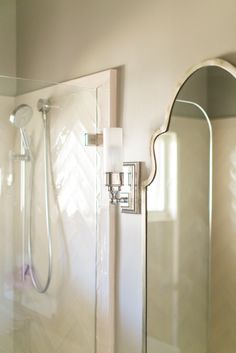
x: 220, y: 63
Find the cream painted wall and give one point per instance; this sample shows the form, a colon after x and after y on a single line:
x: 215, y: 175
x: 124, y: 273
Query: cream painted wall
x: 8, y: 37
x: 154, y: 43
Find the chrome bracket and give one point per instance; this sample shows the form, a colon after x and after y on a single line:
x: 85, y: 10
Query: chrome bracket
x: 93, y: 139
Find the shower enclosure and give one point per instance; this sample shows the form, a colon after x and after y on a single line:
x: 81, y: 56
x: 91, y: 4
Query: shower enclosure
x: 52, y: 213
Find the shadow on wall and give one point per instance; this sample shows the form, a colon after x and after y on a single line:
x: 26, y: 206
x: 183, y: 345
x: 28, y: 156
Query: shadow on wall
x: 231, y: 57
x: 110, y: 25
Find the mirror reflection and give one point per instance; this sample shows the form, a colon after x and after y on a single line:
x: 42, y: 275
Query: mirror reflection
x: 191, y: 221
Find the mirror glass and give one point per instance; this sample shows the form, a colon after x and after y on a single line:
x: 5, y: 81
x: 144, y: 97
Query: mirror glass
x: 191, y: 221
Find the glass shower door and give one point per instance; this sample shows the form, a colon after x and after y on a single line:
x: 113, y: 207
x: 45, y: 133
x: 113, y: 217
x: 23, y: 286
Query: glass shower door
x: 6, y: 227
x: 64, y: 318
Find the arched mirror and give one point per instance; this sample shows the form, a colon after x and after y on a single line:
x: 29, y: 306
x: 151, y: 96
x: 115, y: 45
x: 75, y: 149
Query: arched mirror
x: 191, y: 218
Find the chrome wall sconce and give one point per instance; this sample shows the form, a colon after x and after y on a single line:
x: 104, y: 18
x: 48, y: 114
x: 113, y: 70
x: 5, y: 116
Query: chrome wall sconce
x: 121, y: 179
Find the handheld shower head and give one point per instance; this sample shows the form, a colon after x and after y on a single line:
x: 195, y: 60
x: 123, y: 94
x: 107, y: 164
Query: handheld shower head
x: 20, y: 117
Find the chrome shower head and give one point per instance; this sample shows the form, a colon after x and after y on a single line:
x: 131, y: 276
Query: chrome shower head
x: 21, y: 115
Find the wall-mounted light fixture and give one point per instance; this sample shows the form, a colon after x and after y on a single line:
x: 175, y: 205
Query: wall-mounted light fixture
x: 113, y: 163
x: 121, y: 179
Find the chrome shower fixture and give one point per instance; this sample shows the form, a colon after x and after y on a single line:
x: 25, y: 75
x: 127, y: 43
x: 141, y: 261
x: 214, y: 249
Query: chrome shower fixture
x: 43, y: 105
x: 20, y: 117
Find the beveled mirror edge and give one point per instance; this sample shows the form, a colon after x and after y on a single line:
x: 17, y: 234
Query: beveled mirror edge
x: 221, y: 63
x: 217, y: 62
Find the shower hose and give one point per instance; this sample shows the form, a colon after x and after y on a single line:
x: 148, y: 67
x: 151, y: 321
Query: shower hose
x: 35, y: 281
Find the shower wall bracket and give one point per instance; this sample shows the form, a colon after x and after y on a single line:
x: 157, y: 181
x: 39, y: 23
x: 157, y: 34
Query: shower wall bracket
x: 21, y: 157
x: 93, y: 139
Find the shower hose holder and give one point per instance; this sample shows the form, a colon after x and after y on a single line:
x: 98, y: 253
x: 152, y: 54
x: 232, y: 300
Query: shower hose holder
x: 21, y: 157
